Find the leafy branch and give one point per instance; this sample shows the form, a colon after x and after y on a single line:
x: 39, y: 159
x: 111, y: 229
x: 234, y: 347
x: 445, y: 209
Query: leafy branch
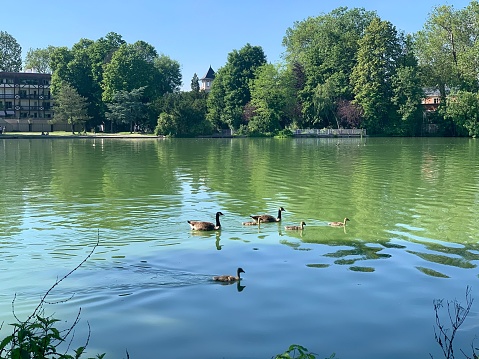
x: 37, y: 337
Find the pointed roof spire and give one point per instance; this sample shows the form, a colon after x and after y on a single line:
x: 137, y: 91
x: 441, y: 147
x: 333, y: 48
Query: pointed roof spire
x: 209, y: 75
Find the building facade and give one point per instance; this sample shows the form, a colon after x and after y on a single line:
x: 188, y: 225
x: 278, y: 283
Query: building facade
x: 207, y: 80
x: 26, y: 103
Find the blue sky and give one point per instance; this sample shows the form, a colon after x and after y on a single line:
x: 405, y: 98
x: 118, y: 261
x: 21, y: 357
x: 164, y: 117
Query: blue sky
x: 196, y: 33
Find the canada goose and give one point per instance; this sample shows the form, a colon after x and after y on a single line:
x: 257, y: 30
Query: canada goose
x: 229, y: 278
x: 295, y: 228
x: 206, y: 226
x: 269, y: 218
x: 339, y: 224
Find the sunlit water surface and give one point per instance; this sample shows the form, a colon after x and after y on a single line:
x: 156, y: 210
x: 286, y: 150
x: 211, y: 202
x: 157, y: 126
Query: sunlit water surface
x: 365, y: 291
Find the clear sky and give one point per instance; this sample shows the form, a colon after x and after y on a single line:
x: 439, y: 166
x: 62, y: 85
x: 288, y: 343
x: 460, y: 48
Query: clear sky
x: 196, y: 33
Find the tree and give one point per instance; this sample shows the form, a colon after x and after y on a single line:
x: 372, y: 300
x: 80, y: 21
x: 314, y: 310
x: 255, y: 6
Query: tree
x: 70, y: 107
x: 271, y: 99
x: 183, y: 114
x: 127, y: 107
x: 138, y: 65
x: 447, y: 49
x: 371, y: 78
x: 319, y: 48
x: 10, y: 53
x: 167, y: 75
x: 463, y: 109
x: 39, y: 59
x: 230, y: 91
x: 195, y: 83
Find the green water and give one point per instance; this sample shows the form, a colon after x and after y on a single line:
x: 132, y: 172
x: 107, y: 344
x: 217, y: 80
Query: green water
x: 363, y: 291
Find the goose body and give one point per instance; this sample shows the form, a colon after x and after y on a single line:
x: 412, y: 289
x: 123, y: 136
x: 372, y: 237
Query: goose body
x: 254, y: 223
x: 295, y: 228
x: 229, y: 278
x: 339, y: 224
x: 268, y: 217
x: 206, y: 226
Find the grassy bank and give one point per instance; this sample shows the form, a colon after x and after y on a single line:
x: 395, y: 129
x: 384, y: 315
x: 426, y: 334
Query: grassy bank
x: 65, y: 134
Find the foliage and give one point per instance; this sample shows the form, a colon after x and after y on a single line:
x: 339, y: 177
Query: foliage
x: 322, y: 51
x: 10, y: 53
x: 195, y: 83
x: 182, y: 114
x: 127, y: 107
x: 440, y: 48
x: 284, y: 133
x: 346, y: 68
x: 463, y: 109
x: 230, y: 91
x: 39, y: 59
x: 38, y: 337
x: 298, y: 352
x: 378, y: 55
x: 138, y: 65
x: 271, y: 99
x: 70, y: 107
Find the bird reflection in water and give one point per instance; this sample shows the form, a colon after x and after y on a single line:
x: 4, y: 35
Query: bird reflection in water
x: 210, y: 234
x: 239, y: 287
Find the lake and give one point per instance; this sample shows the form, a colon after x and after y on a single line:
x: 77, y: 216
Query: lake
x: 363, y: 291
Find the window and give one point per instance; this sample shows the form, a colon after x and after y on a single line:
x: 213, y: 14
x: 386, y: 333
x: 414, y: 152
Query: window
x: 8, y: 104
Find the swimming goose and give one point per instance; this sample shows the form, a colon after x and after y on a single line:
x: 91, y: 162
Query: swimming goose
x: 206, y: 226
x: 229, y: 278
x: 295, y: 228
x: 339, y: 224
x: 269, y: 218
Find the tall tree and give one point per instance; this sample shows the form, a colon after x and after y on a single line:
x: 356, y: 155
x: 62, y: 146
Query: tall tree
x: 138, y: 65
x: 39, y: 59
x: 408, y: 91
x: 378, y: 54
x: 231, y: 86
x: 463, y: 108
x: 322, y: 47
x: 70, y: 107
x: 167, y: 75
x: 127, y: 107
x: 10, y: 53
x: 271, y: 99
x: 195, y: 83
x: 437, y: 49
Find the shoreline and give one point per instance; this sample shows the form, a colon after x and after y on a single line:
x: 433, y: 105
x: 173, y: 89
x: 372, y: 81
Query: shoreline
x: 38, y: 135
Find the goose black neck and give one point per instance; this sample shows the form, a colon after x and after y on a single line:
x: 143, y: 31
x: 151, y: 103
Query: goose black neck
x: 217, y: 219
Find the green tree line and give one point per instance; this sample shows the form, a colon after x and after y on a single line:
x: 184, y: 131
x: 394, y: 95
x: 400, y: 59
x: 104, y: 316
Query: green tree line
x: 344, y: 69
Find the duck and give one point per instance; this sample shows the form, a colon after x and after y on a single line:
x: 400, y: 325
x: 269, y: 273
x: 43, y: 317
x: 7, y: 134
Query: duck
x: 229, y: 278
x: 206, y: 226
x: 339, y: 224
x: 295, y: 228
x: 268, y: 217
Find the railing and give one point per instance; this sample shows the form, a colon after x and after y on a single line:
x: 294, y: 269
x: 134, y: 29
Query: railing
x: 22, y: 96
x: 331, y: 132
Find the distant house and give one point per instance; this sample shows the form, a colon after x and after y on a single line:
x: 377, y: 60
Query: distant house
x: 207, y: 80
x: 431, y: 101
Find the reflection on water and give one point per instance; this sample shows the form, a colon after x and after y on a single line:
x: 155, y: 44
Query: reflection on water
x: 413, y: 234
